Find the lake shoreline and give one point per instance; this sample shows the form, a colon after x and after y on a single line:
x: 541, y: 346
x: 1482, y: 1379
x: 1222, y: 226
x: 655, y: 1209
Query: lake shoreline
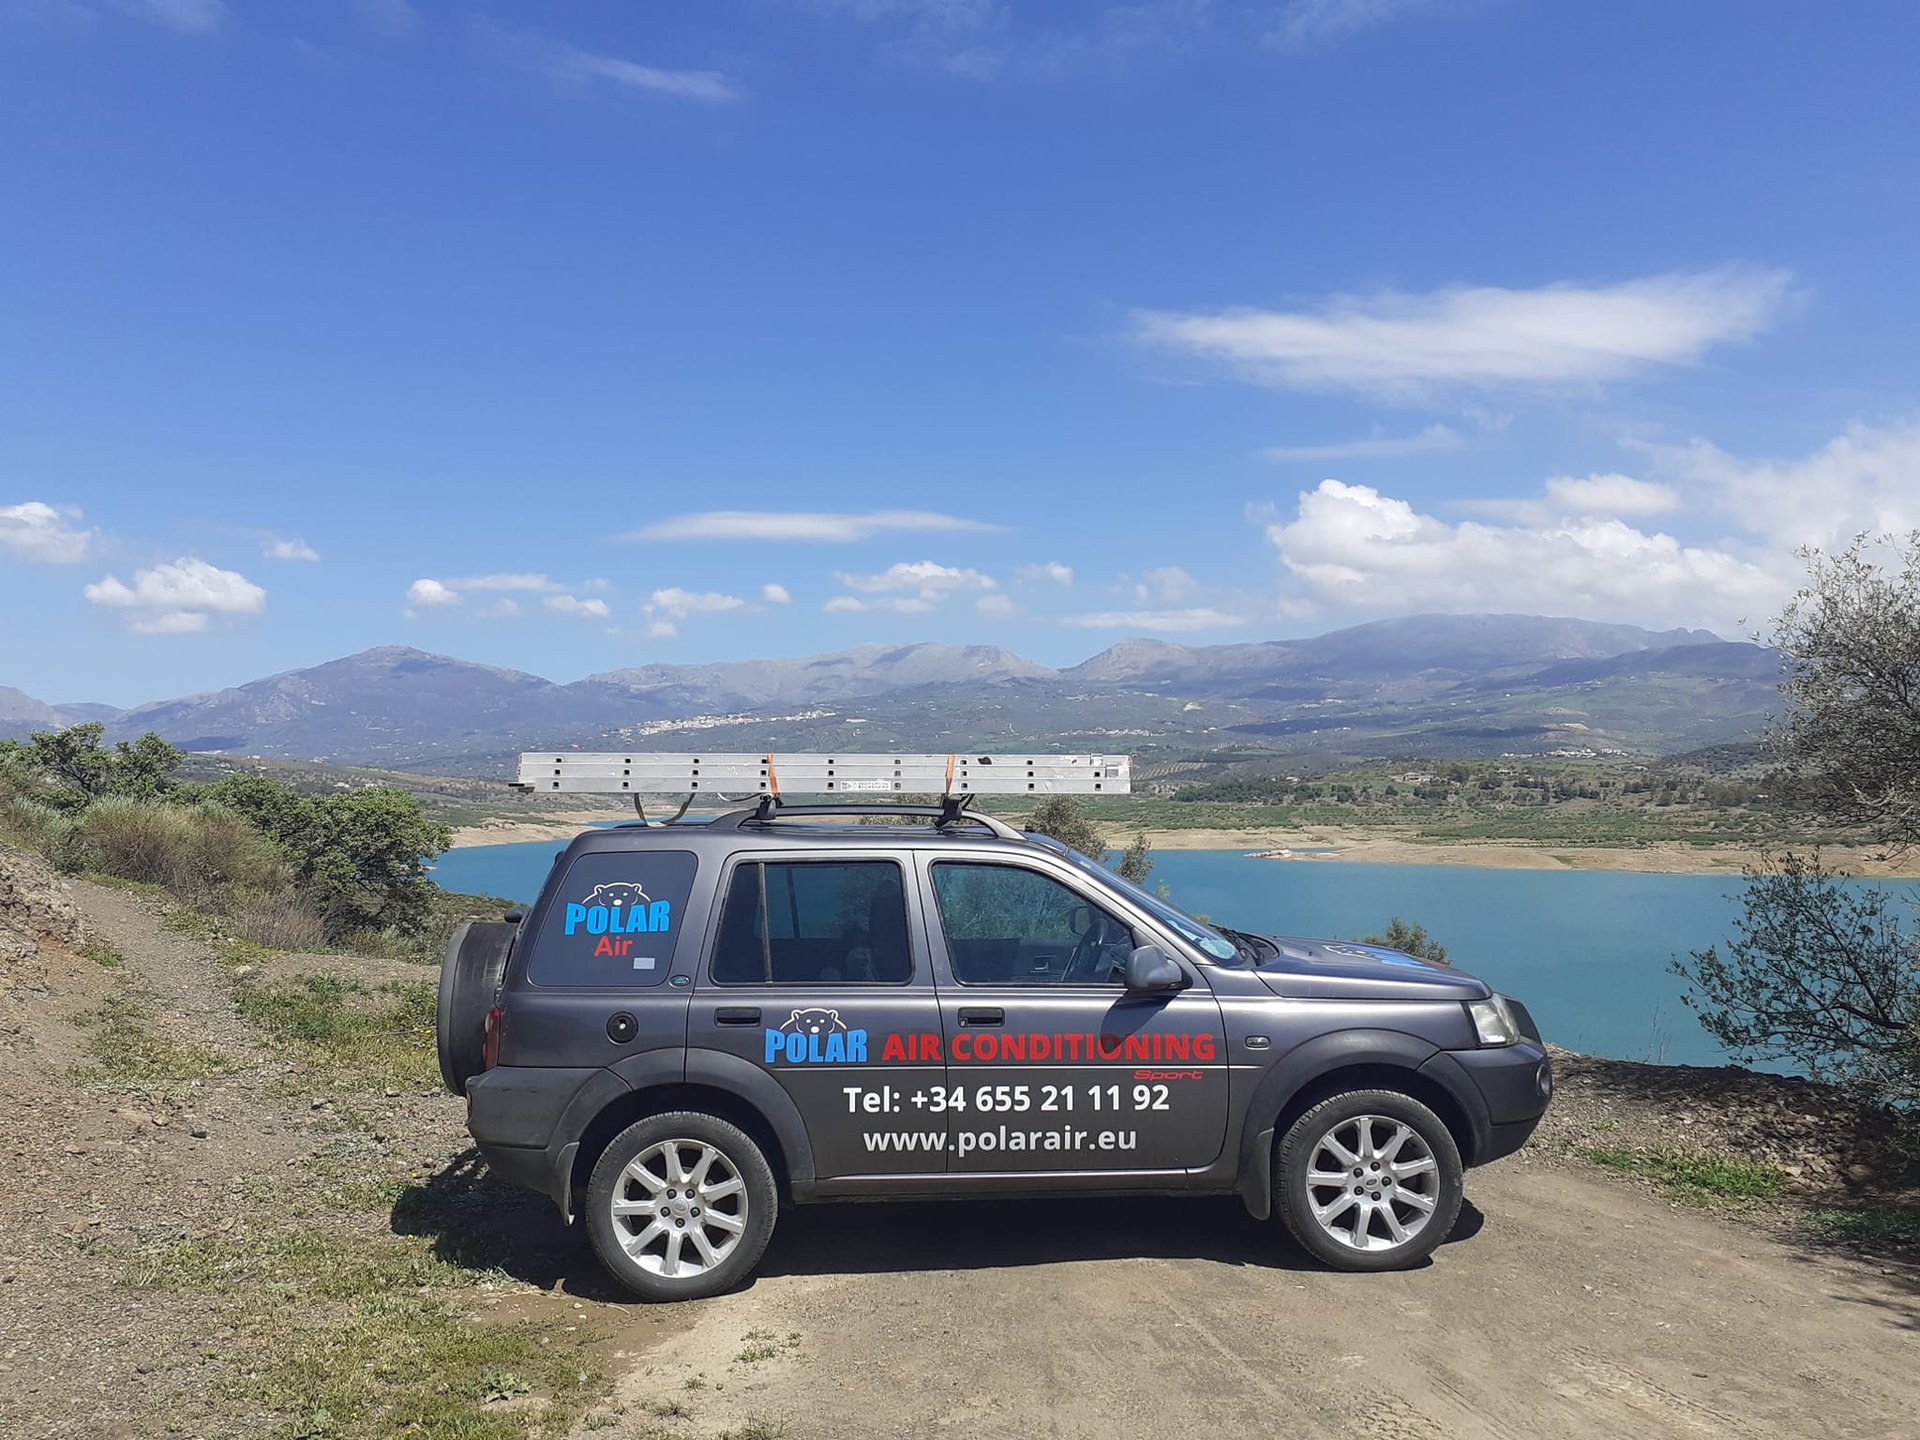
x: 1332, y: 846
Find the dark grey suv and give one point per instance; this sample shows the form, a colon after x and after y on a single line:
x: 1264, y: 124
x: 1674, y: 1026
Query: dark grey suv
x: 699, y: 1023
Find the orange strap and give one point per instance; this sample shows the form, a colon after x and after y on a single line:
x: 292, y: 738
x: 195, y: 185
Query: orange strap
x: 773, y: 779
x: 949, y: 790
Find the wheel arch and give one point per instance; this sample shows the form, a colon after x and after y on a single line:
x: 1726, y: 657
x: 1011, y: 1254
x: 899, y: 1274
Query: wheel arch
x: 1354, y: 1060
x: 716, y: 1084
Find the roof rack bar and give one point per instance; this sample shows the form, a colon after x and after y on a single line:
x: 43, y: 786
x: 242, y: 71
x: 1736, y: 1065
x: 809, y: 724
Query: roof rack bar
x: 770, y: 809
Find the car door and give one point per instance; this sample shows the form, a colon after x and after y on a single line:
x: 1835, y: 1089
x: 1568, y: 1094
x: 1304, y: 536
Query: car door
x: 817, y: 973
x: 1052, y: 1065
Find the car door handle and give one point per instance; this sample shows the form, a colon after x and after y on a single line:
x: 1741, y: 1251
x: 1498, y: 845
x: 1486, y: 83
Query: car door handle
x: 737, y: 1015
x: 983, y: 1015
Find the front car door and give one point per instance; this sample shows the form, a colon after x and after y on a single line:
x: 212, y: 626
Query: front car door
x: 1052, y: 1065
x: 816, y: 975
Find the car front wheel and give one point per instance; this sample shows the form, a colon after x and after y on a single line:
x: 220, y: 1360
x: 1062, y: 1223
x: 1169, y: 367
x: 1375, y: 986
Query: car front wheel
x: 681, y: 1206
x: 1369, y: 1180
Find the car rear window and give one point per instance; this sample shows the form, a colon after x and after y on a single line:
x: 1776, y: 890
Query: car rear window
x: 615, y: 919
x: 814, y: 922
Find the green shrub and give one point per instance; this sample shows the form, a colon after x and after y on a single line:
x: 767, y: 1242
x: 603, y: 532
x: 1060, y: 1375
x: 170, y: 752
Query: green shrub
x: 71, y: 768
x: 359, y: 859
x: 203, y: 854
x: 1409, y: 939
x: 37, y: 826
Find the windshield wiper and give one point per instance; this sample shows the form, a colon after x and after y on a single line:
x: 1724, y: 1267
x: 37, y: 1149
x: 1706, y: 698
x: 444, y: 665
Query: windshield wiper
x: 1248, y: 945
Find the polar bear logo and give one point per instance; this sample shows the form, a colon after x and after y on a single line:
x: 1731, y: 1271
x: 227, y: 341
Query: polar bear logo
x: 814, y: 1022
x: 618, y: 893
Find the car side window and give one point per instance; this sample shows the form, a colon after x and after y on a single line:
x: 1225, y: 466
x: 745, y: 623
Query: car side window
x: 615, y: 919
x: 814, y: 923
x: 1007, y: 925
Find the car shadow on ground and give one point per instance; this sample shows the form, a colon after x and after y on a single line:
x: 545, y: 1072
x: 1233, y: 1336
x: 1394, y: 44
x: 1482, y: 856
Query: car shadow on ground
x: 999, y: 1234
x: 479, y: 1222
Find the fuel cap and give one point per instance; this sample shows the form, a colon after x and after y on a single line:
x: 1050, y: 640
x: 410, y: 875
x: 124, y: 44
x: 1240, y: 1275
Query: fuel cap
x: 622, y: 1027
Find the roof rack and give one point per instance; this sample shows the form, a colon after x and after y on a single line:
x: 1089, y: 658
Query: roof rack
x: 953, y: 812
x: 953, y: 777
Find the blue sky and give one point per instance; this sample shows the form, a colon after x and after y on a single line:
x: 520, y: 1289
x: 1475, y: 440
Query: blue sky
x: 568, y: 337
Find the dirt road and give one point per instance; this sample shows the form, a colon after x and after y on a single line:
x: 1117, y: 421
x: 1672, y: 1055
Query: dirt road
x: 1569, y: 1304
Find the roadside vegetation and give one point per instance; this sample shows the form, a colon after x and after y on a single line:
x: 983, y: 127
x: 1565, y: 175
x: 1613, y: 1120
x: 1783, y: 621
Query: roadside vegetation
x: 287, y: 870
x: 1696, y: 1176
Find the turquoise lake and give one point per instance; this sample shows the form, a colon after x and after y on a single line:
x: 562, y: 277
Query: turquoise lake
x: 1587, y: 950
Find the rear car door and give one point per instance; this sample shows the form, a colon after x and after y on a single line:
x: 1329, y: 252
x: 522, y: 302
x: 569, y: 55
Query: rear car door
x: 1052, y: 1065
x: 818, y: 974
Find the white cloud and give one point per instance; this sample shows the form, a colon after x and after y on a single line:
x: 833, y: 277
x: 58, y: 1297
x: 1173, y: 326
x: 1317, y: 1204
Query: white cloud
x: 899, y: 605
x: 177, y: 598
x: 1167, y: 585
x: 678, y: 604
x: 274, y: 548
x: 1374, y: 447
x: 1865, y: 479
x: 560, y: 61
x: 1304, y: 22
x: 1356, y: 548
x: 188, y: 17
x: 573, y: 605
x: 1403, y: 346
x: 45, y: 534
x: 663, y: 629
x: 996, y: 604
x: 924, y: 578
x: 1611, y: 495
x: 1052, y: 570
x: 803, y: 525
x: 1165, y: 621
x: 431, y: 594
x: 534, y: 584
x: 558, y: 599
x: 775, y: 594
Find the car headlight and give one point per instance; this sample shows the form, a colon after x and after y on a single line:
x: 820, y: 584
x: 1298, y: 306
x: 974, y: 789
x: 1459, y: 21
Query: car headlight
x: 1493, y: 1020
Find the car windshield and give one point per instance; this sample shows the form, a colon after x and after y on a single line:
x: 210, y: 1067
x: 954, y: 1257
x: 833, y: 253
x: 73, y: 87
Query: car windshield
x: 1210, y: 940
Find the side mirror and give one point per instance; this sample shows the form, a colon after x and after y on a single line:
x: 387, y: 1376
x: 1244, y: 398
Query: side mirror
x: 1151, y: 968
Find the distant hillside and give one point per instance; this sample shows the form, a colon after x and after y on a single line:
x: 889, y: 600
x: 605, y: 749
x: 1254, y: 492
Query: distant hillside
x: 20, y: 713
x: 813, y: 679
x: 1413, y: 645
x: 1431, y: 684
x: 390, y: 699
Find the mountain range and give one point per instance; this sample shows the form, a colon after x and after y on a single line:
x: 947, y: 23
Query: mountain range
x: 1424, y: 684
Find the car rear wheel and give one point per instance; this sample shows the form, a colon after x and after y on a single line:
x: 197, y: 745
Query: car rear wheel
x: 1369, y: 1180
x: 681, y: 1206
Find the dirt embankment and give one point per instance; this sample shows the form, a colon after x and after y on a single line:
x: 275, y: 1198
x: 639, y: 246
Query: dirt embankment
x: 209, y: 1229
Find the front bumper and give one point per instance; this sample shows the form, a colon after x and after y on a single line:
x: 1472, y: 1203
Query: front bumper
x: 1509, y: 1087
x: 1516, y: 1083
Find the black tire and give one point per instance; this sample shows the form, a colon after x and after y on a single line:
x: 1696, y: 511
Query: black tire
x: 1361, y: 1236
x: 616, y: 1239
x: 469, y: 981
